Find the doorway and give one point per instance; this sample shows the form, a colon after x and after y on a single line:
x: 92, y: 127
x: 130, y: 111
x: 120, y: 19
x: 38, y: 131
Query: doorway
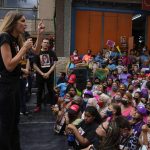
x: 139, y: 30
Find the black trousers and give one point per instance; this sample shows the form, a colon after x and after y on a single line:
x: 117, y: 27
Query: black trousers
x: 9, y: 116
x: 23, y: 107
x: 41, y: 82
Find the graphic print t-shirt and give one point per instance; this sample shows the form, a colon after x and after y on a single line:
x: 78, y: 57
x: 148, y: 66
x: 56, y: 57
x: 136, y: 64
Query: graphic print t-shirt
x: 45, y: 60
x: 12, y: 42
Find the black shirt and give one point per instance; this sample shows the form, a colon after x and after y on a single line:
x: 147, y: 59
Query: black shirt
x: 14, y: 46
x: 45, y: 60
x: 87, y: 131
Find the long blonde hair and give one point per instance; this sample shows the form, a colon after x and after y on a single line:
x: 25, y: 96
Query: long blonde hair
x: 9, y: 23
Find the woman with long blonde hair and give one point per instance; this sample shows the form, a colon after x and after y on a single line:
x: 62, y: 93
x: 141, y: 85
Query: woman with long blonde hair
x: 12, y: 49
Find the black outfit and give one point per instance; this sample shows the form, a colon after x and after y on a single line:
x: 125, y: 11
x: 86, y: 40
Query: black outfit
x: 9, y: 99
x: 87, y: 131
x: 44, y: 67
x: 23, y: 82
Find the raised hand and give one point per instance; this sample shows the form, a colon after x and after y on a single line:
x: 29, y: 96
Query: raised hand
x: 41, y: 27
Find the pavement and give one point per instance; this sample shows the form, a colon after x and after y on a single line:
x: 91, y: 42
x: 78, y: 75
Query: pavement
x: 36, y: 130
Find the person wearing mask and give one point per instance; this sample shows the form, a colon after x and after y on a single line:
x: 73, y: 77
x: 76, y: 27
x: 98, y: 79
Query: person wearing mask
x: 137, y: 86
x: 122, y: 88
x: 123, y: 77
x: 130, y: 89
x: 126, y: 105
x: 137, y: 99
x: 114, y: 89
x: 89, y: 86
x: 114, y: 75
x: 117, y: 98
x: 75, y: 57
x: 45, y: 73
x: 95, y: 84
x: 13, y: 48
x: 70, y: 66
x: 86, y: 96
x: 87, y: 56
x: 99, y: 58
x: 113, y: 111
x: 120, y: 67
x: 109, y: 86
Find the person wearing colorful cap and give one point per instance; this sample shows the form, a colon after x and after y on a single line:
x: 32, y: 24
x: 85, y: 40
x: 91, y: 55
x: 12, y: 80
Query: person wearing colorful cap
x: 86, y: 96
x: 126, y: 105
x: 71, y: 82
x: 73, y: 114
x: 137, y: 119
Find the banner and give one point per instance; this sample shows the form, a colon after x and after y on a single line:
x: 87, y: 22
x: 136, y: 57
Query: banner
x: 110, y: 43
x: 101, y: 74
x: 146, y: 5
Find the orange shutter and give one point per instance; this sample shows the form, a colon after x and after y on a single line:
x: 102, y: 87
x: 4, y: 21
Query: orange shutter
x: 89, y: 34
x: 88, y: 31
x: 95, y: 31
x: 124, y: 26
x: 82, y: 31
x: 110, y: 27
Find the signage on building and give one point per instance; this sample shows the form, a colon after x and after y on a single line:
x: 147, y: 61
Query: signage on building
x: 123, y: 41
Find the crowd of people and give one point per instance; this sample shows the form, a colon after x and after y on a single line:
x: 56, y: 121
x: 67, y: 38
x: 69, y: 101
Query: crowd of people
x: 112, y: 112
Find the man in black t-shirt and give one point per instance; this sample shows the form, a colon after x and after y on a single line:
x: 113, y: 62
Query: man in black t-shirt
x: 44, y: 64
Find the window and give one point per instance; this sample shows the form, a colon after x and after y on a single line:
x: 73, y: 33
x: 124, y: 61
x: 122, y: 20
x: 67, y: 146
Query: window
x: 1, y: 3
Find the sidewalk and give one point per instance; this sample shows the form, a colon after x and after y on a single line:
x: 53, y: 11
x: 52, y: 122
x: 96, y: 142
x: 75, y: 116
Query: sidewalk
x: 36, y: 130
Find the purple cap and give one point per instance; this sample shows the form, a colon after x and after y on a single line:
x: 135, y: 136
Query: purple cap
x: 87, y: 92
x: 141, y: 110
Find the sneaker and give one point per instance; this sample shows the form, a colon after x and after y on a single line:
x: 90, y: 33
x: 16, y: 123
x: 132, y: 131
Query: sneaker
x: 37, y: 109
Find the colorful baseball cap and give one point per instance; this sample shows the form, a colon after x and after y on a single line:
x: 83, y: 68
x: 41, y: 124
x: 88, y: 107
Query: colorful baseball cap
x: 141, y: 109
x: 73, y: 109
x: 87, y: 92
x: 72, y: 78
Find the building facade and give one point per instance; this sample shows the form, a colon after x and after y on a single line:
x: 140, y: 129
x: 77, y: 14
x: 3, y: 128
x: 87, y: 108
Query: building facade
x: 34, y: 11
x: 89, y: 24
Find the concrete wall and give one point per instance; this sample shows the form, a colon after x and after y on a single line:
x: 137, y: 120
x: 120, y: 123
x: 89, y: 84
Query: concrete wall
x: 46, y: 9
x: 67, y: 27
x: 60, y: 28
x: 63, y: 27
